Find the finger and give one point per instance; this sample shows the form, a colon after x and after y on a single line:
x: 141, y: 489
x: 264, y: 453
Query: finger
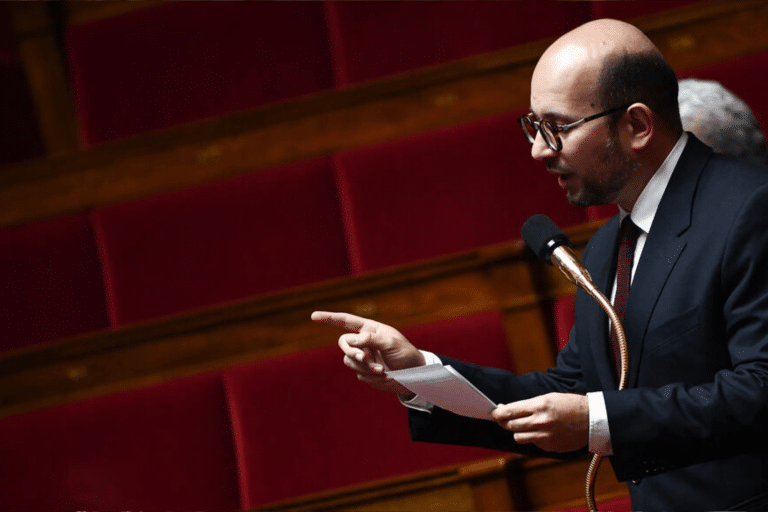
x: 345, y: 320
x: 508, y: 412
x: 529, y: 437
x: 514, y: 410
x: 519, y: 425
x: 347, y: 344
x: 363, y: 347
x: 367, y: 368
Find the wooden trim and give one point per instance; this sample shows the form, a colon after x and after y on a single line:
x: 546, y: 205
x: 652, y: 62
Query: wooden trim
x: 491, y: 484
x: 510, y: 482
x: 80, y: 12
x: 331, y: 121
x: 44, y: 67
x: 139, y: 355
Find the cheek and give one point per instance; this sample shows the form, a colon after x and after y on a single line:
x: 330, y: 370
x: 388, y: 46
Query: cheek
x: 584, y: 154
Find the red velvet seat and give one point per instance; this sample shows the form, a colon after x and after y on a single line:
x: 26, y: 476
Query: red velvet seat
x: 635, y: 8
x: 618, y: 505
x: 178, y: 62
x: 444, y: 191
x: 167, y: 447
x: 373, y: 39
x: 563, y: 316
x: 51, y: 280
x: 303, y: 423
x: 222, y: 241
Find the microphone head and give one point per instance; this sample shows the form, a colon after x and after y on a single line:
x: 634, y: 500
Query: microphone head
x: 543, y: 236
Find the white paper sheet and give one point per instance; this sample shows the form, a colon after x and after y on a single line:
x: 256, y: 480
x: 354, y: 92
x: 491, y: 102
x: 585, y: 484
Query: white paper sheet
x: 446, y: 388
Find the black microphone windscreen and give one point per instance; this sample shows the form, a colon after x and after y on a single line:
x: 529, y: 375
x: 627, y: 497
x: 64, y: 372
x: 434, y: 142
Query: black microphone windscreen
x: 543, y: 236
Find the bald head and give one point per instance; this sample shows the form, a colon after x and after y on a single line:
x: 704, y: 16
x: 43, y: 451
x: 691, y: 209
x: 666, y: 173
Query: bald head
x: 609, y: 63
x: 600, y: 38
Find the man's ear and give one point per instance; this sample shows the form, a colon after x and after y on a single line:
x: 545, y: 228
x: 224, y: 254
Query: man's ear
x: 639, y: 126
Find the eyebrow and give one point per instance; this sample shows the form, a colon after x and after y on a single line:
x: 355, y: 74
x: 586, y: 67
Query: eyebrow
x: 557, y: 116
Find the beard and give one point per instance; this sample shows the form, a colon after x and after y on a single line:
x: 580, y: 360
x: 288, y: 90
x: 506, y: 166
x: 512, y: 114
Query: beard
x: 595, y: 192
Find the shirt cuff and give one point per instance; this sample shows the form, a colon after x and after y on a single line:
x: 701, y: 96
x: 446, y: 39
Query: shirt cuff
x: 416, y: 402
x: 599, y: 433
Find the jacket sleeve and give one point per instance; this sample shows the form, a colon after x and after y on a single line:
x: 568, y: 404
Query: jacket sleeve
x: 501, y: 386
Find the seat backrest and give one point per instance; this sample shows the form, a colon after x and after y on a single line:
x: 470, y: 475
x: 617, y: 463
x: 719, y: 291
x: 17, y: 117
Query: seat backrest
x: 165, y: 447
x: 444, y: 191
x: 304, y: 424
x: 51, y: 279
x: 172, y: 63
x: 222, y: 241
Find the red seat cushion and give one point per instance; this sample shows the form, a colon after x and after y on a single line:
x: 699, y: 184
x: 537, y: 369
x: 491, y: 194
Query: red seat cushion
x: 444, y: 191
x: 167, y: 447
x: 373, y: 39
x: 564, y: 316
x: 222, y: 241
x: 51, y: 280
x: 182, y: 61
x: 303, y: 423
x: 619, y: 505
x: 635, y: 8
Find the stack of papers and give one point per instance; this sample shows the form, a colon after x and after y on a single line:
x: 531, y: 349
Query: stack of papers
x: 447, y: 389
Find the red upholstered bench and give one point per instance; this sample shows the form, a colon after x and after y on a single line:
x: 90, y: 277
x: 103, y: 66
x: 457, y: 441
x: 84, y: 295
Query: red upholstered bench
x: 304, y: 424
x: 618, y: 505
x: 635, y: 8
x: 444, y: 191
x: 222, y: 241
x: 51, y: 281
x: 178, y: 62
x: 166, y: 447
x: 563, y: 315
x: 373, y: 39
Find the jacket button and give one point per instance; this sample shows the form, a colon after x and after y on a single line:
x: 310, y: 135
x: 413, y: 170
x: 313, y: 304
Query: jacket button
x: 637, y: 481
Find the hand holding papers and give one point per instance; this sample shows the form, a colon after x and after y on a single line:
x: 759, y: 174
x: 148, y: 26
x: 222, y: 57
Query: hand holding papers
x: 447, y: 389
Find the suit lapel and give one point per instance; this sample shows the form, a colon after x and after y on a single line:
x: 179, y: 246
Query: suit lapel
x: 665, y: 243
x: 602, y: 276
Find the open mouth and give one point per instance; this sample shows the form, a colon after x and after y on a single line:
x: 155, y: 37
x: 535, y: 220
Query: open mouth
x: 562, y: 179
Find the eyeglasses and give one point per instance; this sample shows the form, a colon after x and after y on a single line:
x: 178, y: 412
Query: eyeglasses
x: 551, y: 131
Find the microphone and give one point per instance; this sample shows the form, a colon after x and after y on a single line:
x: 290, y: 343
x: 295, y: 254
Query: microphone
x: 549, y: 242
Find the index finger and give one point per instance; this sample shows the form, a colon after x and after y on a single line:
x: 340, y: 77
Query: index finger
x: 345, y: 320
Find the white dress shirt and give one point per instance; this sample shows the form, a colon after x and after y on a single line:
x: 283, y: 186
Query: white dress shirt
x: 642, y: 215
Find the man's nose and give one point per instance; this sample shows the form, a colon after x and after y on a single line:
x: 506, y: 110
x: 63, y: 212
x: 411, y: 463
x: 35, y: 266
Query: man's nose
x: 540, y: 149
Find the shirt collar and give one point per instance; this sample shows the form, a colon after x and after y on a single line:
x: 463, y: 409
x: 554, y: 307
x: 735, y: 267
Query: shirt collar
x: 648, y: 202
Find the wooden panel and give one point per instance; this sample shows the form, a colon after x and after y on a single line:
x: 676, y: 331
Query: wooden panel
x: 266, y: 326
x: 44, y: 66
x: 334, y: 120
x: 492, y: 484
x: 556, y: 485
x: 508, y: 483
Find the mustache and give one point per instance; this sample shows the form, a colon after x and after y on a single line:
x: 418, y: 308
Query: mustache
x: 553, y: 166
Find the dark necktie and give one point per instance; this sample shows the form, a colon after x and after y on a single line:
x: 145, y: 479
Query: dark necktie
x: 628, y: 237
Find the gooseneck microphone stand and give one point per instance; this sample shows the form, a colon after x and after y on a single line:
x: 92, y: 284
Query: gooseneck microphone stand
x: 594, y: 464
x: 550, y: 243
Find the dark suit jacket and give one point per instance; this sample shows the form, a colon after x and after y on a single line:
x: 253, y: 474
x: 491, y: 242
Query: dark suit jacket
x: 690, y: 432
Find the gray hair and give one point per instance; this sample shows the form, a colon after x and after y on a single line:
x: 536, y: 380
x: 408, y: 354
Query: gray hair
x: 721, y: 120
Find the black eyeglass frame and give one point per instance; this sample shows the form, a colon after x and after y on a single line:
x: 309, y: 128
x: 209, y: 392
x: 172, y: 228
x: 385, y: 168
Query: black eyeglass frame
x: 555, y: 130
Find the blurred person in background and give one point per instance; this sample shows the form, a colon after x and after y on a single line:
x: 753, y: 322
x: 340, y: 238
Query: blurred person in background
x: 721, y: 120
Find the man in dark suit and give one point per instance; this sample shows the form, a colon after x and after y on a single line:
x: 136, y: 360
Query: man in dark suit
x: 688, y: 433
